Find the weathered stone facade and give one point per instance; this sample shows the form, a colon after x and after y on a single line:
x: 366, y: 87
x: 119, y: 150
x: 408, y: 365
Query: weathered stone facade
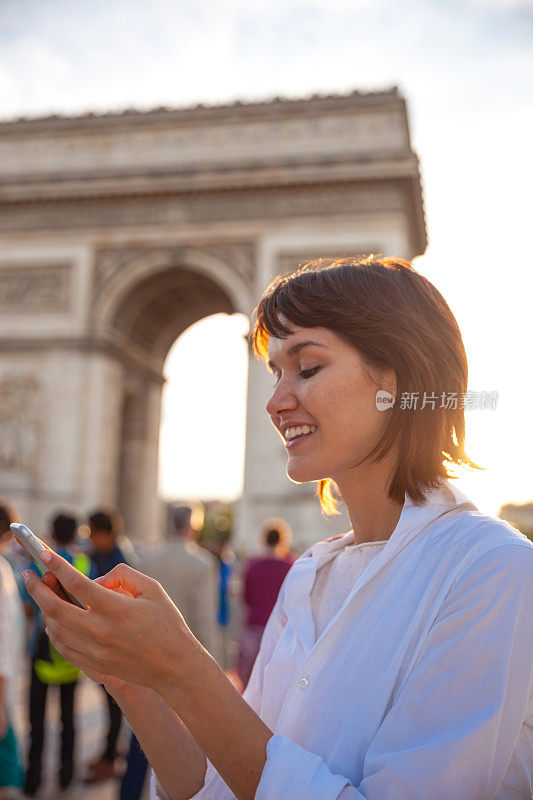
x: 119, y: 231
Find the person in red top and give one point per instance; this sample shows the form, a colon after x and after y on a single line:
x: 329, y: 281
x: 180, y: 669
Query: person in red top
x: 263, y: 576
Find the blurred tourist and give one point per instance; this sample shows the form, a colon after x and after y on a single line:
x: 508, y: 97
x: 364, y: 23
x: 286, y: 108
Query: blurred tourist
x: 48, y: 668
x: 11, y: 637
x: 106, y: 527
x: 226, y: 565
x: 187, y: 574
x: 262, y: 579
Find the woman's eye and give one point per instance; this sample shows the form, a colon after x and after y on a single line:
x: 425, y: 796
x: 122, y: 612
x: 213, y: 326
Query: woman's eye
x: 308, y: 373
x: 304, y: 373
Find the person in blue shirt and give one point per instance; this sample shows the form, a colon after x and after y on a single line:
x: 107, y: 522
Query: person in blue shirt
x: 48, y: 668
x: 106, y: 526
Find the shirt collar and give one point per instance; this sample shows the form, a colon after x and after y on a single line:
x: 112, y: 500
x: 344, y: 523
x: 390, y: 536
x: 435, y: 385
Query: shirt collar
x: 438, y: 500
x: 414, y: 519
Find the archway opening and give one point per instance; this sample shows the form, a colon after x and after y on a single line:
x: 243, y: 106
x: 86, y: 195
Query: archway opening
x: 181, y: 434
x: 203, y: 411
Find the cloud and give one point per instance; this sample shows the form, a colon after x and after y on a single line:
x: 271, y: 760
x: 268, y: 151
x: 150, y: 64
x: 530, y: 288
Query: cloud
x: 74, y: 56
x: 504, y: 5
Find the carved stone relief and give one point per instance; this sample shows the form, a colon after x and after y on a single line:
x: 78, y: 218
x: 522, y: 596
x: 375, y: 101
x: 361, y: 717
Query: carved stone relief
x: 110, y: 262
x: 239, y: 256
x: 29, y: 289
x: 20, y: 423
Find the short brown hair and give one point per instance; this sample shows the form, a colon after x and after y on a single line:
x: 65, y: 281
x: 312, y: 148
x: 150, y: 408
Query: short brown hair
x: 181, y: 517
x: 106, y: 519
x: 397, y: 319
x: 8, y: 514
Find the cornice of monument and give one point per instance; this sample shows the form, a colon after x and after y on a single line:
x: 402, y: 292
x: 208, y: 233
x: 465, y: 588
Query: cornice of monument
x: 215, y: 157
x: 315, y: 104
x: 36, y: 187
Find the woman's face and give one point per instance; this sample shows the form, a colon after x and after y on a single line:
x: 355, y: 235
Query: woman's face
x: 323, y: 386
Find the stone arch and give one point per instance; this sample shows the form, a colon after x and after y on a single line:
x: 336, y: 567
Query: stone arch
x: 232, y: 193
x: 142, y: 306
x: 118, y: 271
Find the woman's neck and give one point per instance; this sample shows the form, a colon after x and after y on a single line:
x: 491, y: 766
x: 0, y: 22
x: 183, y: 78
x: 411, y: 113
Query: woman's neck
x: 364, y: 490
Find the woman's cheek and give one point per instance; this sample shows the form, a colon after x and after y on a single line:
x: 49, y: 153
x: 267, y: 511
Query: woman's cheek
x: 319, y: 388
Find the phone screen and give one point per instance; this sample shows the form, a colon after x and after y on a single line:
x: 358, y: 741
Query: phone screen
x: 34, y: 547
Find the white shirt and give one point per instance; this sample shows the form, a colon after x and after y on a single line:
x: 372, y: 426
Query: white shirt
x: 420, y: 687
x: 334, y: 581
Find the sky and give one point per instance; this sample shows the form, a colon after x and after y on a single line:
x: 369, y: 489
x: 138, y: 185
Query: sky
x: 466, y: 69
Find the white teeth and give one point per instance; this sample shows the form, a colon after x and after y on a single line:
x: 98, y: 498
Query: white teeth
x: 292, y: 433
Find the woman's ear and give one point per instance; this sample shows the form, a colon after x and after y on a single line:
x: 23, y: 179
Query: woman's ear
x: 388, y: 381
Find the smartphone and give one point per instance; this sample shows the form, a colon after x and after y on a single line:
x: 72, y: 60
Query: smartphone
x: 34, y: 547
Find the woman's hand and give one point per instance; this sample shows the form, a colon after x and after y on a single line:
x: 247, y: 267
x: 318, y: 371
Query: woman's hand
x: 133, y: 633
x: 113, y: 685
x: 136, y: 634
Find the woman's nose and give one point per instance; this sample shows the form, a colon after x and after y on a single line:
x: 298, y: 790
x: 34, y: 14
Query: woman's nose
x: 282, y: 399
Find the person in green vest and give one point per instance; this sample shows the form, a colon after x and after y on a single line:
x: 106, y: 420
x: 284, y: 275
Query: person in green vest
x: 48, y: 668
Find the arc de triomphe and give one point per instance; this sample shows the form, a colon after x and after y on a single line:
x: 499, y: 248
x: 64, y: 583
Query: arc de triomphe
x: 119, y: 231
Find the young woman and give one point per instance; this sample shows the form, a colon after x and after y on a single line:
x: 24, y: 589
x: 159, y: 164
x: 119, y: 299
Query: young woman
x: 398, y: 660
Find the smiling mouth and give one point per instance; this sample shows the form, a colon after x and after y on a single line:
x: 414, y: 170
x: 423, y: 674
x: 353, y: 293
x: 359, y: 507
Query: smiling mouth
x: 297, y: 439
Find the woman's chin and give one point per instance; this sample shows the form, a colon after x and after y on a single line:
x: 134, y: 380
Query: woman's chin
x: 302, y: 473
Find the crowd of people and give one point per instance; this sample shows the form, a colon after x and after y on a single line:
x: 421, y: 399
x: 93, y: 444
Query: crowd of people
x: 197, y: 580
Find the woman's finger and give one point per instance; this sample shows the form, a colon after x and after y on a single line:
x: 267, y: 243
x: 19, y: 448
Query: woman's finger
x: 91, y: 639
x: 126, y: 580
x: 71, y: 579
x: 51, y: 581
x: 80, y: 660
x: 49, y: 602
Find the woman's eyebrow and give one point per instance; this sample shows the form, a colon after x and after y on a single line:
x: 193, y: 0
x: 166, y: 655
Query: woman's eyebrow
x: 295, y: 348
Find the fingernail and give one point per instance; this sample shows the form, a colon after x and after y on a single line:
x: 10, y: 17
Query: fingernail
x: 46, y: 556
x: 26, y: 574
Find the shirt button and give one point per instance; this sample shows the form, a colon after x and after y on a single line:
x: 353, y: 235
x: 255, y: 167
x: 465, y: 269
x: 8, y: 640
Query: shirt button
x: 303, y: 683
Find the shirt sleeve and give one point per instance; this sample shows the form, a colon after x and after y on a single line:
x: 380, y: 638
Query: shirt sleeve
x: 214, y: 787
x: 453, y: 726
x: 156, y: 790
